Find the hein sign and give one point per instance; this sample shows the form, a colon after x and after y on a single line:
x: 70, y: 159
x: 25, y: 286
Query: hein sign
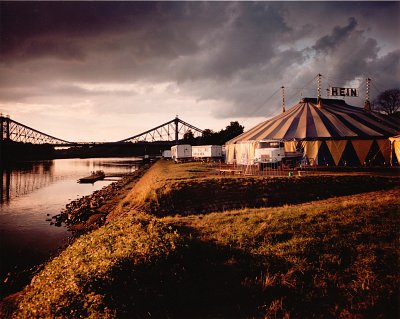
x: 337, y: 91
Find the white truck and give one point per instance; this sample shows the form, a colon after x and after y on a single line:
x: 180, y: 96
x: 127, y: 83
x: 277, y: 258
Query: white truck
x: 207, y: 152
x: 271, y: 153
x: 181, y: 152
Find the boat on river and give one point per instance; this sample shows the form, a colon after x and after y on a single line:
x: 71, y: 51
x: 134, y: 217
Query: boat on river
x: 95, y: 176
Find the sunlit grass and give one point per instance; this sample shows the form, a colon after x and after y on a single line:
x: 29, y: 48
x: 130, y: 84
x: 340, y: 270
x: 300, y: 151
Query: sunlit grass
x: 160, y: 179
x: 73, y: 284
x: 195, y: 188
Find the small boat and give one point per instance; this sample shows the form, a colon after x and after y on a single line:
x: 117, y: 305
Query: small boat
x: 95, y: 176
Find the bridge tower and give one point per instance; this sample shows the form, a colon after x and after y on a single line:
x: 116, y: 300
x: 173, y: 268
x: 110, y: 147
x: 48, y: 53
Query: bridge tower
x: 4, y: 132
x: 4, y: 127
x: 176, y: 121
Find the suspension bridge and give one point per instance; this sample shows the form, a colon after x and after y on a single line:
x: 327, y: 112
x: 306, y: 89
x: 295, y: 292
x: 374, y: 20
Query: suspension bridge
x: 171, y: 131
x: 168, y: 133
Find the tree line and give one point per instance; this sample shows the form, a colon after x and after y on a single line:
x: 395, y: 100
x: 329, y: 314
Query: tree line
x: 209, y: 137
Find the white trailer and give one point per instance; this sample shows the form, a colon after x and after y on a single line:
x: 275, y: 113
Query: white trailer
x: 181, y: 152
x: 166, y: 154
x: 207, y: 152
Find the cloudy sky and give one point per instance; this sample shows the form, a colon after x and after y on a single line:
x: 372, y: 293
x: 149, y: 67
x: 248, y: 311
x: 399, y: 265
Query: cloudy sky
x: 104, y: 71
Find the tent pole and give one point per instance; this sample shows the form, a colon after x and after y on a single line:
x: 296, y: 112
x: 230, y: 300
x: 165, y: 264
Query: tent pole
x: 319, y: 90
x: 319, y: 86
x: 367, y: 104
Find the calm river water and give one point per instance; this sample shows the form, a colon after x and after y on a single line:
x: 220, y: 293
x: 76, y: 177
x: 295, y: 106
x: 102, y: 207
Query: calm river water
x: 33, y: 192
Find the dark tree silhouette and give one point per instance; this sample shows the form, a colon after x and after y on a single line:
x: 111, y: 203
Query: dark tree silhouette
x: 232, y: 130
x: 388, y: 101
x: 208, y: 137
x: 188, y: 137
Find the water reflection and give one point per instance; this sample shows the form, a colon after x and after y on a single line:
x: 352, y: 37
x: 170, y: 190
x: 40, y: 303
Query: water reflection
x: 21, y: 179
x: 31, y: 193
x: 24, y: 178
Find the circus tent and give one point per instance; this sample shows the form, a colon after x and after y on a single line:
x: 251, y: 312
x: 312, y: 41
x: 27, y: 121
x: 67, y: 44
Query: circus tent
x: 327, y: 131
x: 395, y: 149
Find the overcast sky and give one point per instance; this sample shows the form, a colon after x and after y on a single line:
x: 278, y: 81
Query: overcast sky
x: 104, y: 71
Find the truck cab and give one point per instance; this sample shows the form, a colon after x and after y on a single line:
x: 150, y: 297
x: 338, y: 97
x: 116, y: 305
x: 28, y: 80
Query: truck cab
x: 269, y: 153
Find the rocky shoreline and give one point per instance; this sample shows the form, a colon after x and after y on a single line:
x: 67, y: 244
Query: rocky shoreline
x: 90, y: 212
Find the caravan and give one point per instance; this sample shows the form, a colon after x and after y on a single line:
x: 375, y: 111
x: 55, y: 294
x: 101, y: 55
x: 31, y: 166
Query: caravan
x: 181, y: 152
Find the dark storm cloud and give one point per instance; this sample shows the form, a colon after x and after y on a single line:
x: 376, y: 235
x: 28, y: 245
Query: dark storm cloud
x: 228, y: 31
x: 145, y: 29
x: 245, y: 36
x: 23, y: 22
x: 237, y: 53
x: 249, y: 39
x: 386, y: 71
x: 329, y: 42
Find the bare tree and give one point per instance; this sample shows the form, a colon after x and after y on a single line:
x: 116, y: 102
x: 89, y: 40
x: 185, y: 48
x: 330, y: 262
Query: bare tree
x: 388, y: 101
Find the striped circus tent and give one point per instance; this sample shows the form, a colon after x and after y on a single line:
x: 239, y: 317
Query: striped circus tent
x: 327, y: 131
x: 395, y: 149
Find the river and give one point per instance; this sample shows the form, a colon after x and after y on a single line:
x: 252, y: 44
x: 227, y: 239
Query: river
x: 33, y: 192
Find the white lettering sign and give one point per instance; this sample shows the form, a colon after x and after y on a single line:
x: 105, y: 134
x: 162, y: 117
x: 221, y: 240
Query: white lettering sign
x: 337, y: 91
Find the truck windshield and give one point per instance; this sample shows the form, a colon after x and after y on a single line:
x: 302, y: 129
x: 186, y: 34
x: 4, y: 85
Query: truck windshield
x: 271, y: 144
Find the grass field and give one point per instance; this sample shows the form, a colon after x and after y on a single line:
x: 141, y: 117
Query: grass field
x: 325, y: 256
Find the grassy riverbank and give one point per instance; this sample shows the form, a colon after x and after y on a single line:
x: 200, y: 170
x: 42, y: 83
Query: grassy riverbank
x: 195, y: 188
x: 164, y: 255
